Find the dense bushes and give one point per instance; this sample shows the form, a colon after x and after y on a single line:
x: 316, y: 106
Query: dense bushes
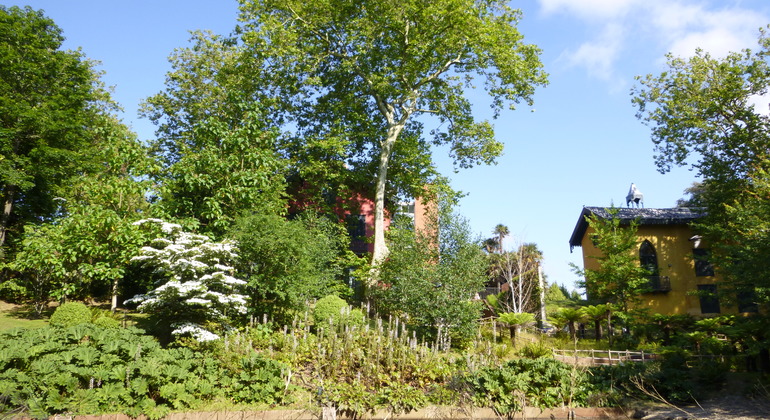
x: 86, y: 369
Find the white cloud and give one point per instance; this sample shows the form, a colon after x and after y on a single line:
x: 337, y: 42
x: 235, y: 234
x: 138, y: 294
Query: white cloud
x: 627, y: 30
x: 597, y: 56
x: 684, y: 27
x: 589, y: 9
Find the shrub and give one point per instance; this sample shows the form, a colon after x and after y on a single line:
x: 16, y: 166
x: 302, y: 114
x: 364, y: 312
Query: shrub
x: 541, y: 383
x: 107, y: 322
x: 69, y: 314
x: 329, y: 307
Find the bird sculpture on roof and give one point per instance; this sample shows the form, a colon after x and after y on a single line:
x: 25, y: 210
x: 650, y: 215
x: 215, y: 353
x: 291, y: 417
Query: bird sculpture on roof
x: 634, y: 196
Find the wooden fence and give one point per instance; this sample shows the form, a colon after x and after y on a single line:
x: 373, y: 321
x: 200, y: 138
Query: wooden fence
x: 601, y: 357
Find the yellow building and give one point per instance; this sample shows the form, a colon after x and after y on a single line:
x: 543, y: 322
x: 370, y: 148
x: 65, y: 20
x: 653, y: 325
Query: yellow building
x: 669, y: 247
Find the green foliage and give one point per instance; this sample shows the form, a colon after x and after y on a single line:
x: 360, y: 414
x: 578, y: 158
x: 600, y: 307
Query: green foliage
x: 704, y: 114
x: 569, y: 317
x: 358, y: 367
x: 356, y: 87
x: 106, y: 322
x: 618, y: 279
x: 290, y: 262
x: 216, y: 143
x: 51, y: 100
x: 430, y: 284
x: 69, y: 314
x: 541, y: 383
x: 329, y: 309
x: 86, y: 369
x: 200, y: 295
x: 516, y: 321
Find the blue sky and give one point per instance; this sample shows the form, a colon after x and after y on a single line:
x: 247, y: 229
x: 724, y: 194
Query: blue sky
x: 580, y: 144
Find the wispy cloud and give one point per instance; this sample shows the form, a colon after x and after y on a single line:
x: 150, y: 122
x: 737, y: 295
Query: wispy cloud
x: 676, y: 26
x: 685, y: 27
x: 598, y: 56
x: 589, y: 9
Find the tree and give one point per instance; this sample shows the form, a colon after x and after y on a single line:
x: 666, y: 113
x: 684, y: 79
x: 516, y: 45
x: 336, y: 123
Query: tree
x: 569, y: 317
x: 288, y: 263
x: 48, y: 101
x: 516, y: 321
x: 85, y: 249
x: 597, y: 314
x: 360, y: 75
x: 432, y: 285
x: 703, y: 112
x: 501, y: 231
x: 200, y: 296
x: 519, y: 270
x: 216, y: 140
x: 618, y: 279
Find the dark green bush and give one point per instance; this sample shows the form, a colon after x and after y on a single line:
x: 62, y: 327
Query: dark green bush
x: 69, y: 314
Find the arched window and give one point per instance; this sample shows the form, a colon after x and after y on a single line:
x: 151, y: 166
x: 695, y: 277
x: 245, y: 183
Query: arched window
x: 647, y: 258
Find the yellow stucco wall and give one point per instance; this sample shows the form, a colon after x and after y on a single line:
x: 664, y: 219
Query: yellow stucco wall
x: 675, y: 260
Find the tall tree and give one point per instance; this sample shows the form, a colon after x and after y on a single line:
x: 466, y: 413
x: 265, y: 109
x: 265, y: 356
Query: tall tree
x: 519, y: 270
x: 216, y: 140
x: 705, y: 113
x: 85, y: 250
x: 501, y: 231
x: 362, y: 73
x: 619, y: 278
x: 48, y: 100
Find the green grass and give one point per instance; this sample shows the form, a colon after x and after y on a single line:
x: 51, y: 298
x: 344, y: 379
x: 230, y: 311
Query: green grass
x: 14, y: 316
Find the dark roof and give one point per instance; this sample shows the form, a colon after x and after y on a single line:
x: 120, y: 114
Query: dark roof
x: 672, y: 216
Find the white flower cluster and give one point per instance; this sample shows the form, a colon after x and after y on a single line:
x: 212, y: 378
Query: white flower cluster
x: 200, y: 277
x: 197, y: 332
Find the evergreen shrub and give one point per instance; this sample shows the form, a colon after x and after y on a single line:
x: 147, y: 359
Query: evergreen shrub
x: 329, y: 308
x: 107, y: 322
x: 70, y: 314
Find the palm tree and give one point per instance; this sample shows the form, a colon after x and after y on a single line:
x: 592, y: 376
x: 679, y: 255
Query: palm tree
x: 516, y: 321
x: 501, y: 231
x: 490, y: 245
x: 597, y: 314
x: 571, y: 317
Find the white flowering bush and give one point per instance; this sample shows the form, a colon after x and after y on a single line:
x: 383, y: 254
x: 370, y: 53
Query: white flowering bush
x: 199, y: 294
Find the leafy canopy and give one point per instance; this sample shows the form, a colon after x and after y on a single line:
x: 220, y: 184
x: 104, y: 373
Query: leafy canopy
x: 50, y: 104
x: 355, y: 77
x: 705, y: 113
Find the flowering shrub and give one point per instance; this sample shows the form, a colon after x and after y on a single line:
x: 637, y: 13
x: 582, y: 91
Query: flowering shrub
x: 200, y: 295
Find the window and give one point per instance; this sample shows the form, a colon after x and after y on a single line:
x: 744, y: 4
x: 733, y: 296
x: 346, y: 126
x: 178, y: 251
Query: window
x: 648, y: 259
x: 709, y: 301
x: 356, y: 224
x: 703, y: 267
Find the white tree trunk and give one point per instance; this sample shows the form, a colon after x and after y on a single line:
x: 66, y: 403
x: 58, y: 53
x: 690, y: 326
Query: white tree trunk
x: 114, y: 301
x: 380, y: 251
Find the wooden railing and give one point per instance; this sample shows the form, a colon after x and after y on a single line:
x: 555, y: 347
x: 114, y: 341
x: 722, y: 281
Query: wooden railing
x: 601, y: 357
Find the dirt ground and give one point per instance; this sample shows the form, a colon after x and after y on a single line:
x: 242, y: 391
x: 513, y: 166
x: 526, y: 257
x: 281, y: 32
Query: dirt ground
x: 725, y: 407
